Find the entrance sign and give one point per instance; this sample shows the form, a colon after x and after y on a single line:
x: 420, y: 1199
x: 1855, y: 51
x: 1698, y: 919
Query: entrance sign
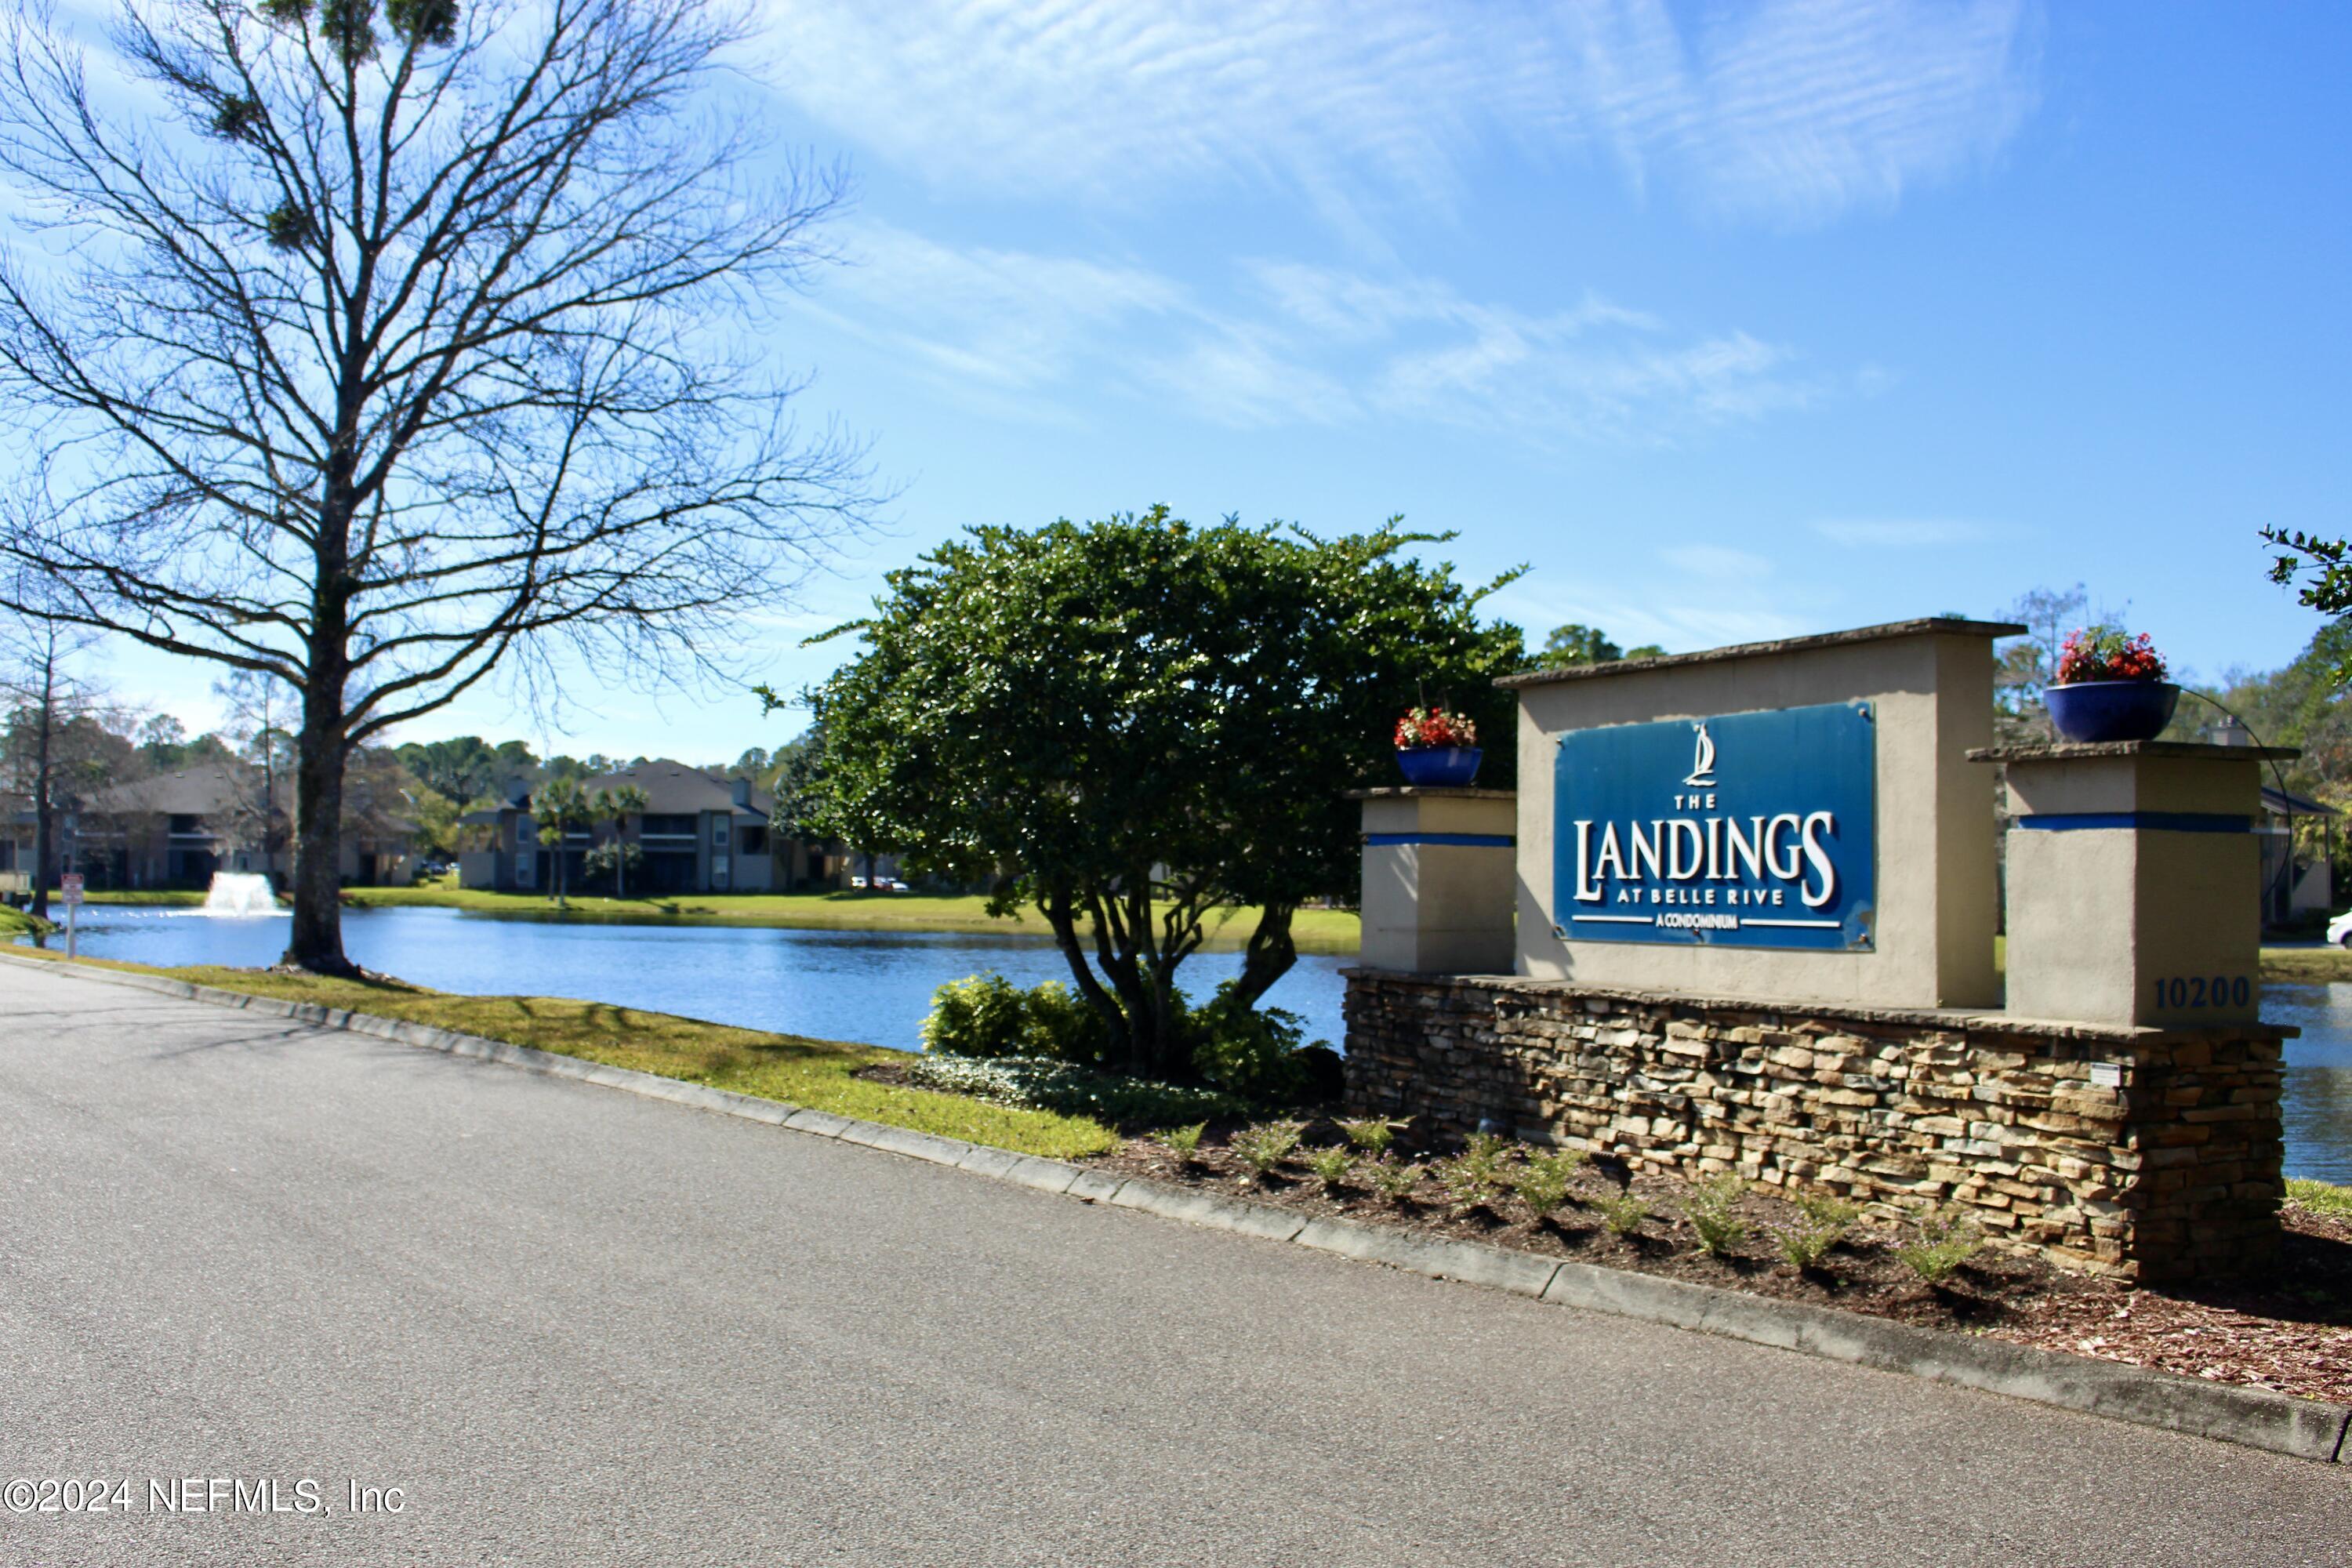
x: 1741, y: 830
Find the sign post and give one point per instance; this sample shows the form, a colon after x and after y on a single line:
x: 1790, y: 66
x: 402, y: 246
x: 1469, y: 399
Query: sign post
x: 70, y: 889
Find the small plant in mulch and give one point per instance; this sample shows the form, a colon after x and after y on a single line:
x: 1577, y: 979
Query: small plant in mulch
x: 1712, y: 1212
x: 1946, y: 1241
x: 1473, y: 1178
x: 1542, y: 1180
x: 1374, y: 1134
x: 1184, y: 1142
x: 1820, y: 1223
x: 1622, y: 1212
x: 1332, y: 1165
x: 1396, y: 1180
x: 1264, y: 1146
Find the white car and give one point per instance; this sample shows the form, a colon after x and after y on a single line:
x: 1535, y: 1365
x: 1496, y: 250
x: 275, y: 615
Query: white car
x: 2339, y: 930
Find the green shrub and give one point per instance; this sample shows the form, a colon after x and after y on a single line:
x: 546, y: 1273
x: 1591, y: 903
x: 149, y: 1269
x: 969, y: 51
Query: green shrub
x: 1708, y: 1210
x: 1374, y: 1135
x: 1059, y: 1024
x: 1074, y: 1091
x: 1252, y: 1052
x: 979, y: 1015
x: 1395, y: 1182
x: 1475, y: 1177
x: 1264, y: 1147
x: 986, y: 1016
x: 1622, y: 1212
x: 1946, y: 1241
x: 1184, y: 1142
x: 1828, y: 1210
x: 1332, y: 1165
x: 1542, y: 1181
x: 1822, y: 1222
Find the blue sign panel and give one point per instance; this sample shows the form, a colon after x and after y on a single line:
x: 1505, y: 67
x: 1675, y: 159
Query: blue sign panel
x: 1745, y: 830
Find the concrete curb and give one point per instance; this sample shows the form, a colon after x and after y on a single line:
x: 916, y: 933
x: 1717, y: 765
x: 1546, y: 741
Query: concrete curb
x: 2303, y: 1428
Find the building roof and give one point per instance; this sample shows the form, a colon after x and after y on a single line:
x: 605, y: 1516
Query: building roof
x: 672, y: 789
x: 2281, y: 803
x: 210, y: 788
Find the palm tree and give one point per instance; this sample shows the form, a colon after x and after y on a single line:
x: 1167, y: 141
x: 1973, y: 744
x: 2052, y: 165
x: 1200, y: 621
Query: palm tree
x: 561, y: 806
x: 615, y: 806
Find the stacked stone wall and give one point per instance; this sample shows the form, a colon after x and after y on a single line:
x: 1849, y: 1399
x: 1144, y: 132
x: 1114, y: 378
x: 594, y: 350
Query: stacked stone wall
x: 2171, y: 1170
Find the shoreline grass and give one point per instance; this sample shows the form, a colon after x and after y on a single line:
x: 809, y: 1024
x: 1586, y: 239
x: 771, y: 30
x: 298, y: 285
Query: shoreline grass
x: 819, y: 1074
x: 2321, y: 1198
x: 1325, y: 933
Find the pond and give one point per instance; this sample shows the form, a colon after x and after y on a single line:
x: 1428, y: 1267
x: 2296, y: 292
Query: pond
x: 2318, y: 1104
x: 876, y: 987
x: 868, y: 986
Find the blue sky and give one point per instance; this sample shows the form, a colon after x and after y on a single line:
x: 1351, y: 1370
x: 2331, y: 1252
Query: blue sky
x: 1731, y: 321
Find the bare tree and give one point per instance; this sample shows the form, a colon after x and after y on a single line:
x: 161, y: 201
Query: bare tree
x: 50, y: 706
x: 257, y: 711
x: 412, y: 343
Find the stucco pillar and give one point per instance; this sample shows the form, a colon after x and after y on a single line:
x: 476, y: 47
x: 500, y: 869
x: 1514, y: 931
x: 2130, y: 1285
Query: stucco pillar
x: 2134, y: 891
x: 1438, y: 880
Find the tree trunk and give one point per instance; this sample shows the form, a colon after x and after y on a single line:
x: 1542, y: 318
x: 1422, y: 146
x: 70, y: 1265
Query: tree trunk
x: 1272, y: 953
x: 316, y: 940
x: 45, y: 810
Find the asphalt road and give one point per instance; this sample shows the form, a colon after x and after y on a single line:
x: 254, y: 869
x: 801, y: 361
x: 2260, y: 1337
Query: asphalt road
x: 574, y: 1327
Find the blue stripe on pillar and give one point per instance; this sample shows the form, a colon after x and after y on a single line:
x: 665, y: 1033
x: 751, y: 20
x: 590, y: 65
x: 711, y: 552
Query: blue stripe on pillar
x: 1463, y: 840
x: 2138, y: 821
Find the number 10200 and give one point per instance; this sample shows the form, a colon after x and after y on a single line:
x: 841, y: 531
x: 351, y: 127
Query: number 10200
x: 2198, y: 990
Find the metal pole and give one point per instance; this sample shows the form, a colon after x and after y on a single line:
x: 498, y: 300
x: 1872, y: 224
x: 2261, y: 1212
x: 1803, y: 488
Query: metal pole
x: 73, y: 909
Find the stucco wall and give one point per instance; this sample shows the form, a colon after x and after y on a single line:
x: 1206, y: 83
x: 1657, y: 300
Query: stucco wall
x: 1936, y: 885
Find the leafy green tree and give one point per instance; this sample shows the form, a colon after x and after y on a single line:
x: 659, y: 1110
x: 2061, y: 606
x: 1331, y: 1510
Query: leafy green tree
x: 1572, y: 645
x: 1134, y: 723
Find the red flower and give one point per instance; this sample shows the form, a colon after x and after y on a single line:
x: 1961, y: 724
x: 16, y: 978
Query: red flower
x: 1433, y: 729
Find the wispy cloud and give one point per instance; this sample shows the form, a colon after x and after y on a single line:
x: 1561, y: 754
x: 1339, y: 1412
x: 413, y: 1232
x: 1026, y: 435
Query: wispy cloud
x: 1899, y: 533
x: 1718, y: 561
x: 1786, y: 110
x: 1292, y: 344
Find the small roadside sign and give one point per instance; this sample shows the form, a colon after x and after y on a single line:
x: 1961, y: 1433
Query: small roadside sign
x: 69, y: 887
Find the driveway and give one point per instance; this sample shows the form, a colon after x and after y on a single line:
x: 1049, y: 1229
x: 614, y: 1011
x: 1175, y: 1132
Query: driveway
x: 573, y: 1326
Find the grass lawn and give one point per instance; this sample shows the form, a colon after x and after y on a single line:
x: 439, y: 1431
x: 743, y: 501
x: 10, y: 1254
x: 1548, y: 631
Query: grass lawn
x: 1315, y: 930
x: 1327, y: 931
x: 819, y: 1074
x: 2307, y: 963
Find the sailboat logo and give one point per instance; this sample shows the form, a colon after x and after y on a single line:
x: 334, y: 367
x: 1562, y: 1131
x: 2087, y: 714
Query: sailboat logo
x: 1703, y: 765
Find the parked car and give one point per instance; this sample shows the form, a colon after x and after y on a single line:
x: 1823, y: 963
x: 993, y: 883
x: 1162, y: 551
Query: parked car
x: 2339, y: 930
x: 892, y: 884
x: 857, y: 882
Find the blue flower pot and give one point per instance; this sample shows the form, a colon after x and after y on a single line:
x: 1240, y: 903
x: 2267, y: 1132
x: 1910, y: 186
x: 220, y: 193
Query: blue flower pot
x: 1441, y: 767
x: 2094, y: 710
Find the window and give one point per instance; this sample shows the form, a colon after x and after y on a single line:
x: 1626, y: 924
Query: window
x: 187, y: 825
x: 525, y: 832
x: 755, y: 840
x: 718, y: 833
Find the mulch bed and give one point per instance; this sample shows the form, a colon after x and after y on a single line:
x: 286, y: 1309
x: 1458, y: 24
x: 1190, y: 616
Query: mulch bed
x: 2289, y: 1330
